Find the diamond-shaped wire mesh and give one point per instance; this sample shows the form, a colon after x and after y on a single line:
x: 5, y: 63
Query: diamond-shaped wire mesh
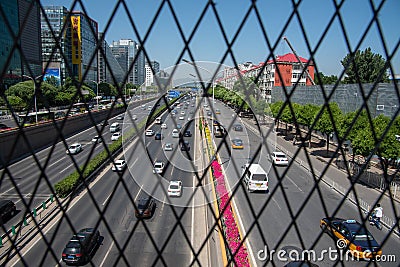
x: 317, y: 183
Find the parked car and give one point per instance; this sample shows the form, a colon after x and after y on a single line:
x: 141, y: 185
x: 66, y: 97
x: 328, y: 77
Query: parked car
x: 75, y: 148
x: 175, y: 188
x: 7, y: 209
x: 145, y: 207
x: 119, y: 165
x: 149, y: 132
x: 115, y: 136
x: 279, y: 158
x: 158, y: 167
x: 80, y: 247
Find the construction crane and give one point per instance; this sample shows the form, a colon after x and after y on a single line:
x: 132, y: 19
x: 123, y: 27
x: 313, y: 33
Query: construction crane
x: 298, y: 59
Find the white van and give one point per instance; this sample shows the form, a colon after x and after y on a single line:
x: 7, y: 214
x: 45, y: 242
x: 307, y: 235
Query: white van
x: 114, y: 127
x: 255, y: 177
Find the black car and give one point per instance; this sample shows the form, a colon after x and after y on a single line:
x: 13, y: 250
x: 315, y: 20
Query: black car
x: 145, y: 207
x: 81, y: 246
x: 158, y: 136
x: 185, y: 146
x: 7, y: 209
x: 187, y: 133
x: 238, y: 127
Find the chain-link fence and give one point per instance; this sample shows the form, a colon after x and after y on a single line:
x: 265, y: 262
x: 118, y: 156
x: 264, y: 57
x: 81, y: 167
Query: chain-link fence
x: 104, y: 183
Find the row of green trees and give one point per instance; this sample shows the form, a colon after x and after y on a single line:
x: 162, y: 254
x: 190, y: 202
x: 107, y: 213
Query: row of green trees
x: 20, y: 96
x: 366, y: 134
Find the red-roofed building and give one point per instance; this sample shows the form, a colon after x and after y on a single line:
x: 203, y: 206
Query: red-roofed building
x: 290, y: 73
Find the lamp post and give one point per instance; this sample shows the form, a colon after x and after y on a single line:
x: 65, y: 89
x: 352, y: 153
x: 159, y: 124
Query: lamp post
x: 34, y: 92
x: 97, y: 94
x: 213, y: 100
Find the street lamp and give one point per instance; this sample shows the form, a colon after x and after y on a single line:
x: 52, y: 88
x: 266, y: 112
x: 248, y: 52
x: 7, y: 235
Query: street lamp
x: 97, y: 93
x: 213, y: 100
x: 34, y: 92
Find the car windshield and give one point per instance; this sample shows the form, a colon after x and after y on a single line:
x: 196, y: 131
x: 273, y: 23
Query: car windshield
x: 143, y: 203
x: 259, y: 177
x: 158, y: 165
x: 363, y: 237
x: 280, y: 156
x: 73, y: 244
x: 174, y: 186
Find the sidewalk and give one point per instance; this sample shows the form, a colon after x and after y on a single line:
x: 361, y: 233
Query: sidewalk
x: 338, y: 179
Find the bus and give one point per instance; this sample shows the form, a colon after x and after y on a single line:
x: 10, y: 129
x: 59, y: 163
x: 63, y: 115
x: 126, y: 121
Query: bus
x: 40, y: 116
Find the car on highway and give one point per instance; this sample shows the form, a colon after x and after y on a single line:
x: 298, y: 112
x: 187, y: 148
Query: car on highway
x: 354, y: 237
x: 175, y: 133
x: 75, y: 148
x: 114, y: 127
x: 178, y: 126
x: 279, y: 158
x: 120, y: 117
x: 115, y: 136
x: 181, y: 117
x: 158, y: 136
x: 7, y: 210
x: 217, y: 111
x: 182, y: 112
x: 134, y: 117
x: 119, y: 165
x: 185, y: 146
x: 158, y: 120
x: 175, y: 188
x: 164, y: 126
x: 187, y: 133
x: 4, y: 127
x: 168, y: 147
x: 150, y: 132
x: 80, y: 248
x: 145, y: 207
x: 209, y: 113
x: 237, y: 143
x: 158, y: 167
x: 238, y: 127
x: 216, y: 123
x: 96, y: 139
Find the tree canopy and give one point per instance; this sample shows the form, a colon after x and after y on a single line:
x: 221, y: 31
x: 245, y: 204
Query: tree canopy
x: 365, y: 67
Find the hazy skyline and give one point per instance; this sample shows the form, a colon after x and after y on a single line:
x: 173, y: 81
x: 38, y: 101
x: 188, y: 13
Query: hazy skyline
x: 164, y: 43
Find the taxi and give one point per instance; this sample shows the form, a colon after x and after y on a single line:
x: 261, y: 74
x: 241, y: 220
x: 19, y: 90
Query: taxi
x: 359, y: 241
x: 237, y: 143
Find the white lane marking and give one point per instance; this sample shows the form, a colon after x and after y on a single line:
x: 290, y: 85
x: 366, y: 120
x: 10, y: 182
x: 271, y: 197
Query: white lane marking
x: 66, y: 168
x: 287, y: 177
x: 55, y: 162
x: 192, y: 227
x: 276, y: 202
x: 108, y: 252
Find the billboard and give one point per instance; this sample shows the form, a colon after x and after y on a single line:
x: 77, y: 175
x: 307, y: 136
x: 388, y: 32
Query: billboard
x: 53, y: 73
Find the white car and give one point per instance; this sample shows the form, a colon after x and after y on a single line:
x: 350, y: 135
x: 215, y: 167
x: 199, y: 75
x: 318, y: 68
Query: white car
x: 168, y: 147
x: 175, y: 189
x: 134, y: 117
x: 181, y: 117
x: 96, y: 139
x: 279, y: 158
x: 74, y: 148
x: 149, y: 132
x: 119, y: 165
x: 115, y: 136
x: 158, y: 167
x: 164, y: 126
x: 175, y: 133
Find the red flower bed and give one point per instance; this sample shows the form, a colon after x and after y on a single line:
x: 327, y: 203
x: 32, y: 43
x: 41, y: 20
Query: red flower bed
x: 230, y: 227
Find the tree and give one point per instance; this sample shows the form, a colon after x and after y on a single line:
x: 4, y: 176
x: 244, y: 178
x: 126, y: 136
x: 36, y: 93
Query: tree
x: 325, y: 123
x: 365, y: 67
x: 322, y: 79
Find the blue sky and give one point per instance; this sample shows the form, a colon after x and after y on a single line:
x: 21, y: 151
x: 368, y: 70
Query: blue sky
x: 164, y: 43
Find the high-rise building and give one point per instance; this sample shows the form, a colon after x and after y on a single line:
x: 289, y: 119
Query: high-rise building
x: 56, y: 45
x: 84, y: 32
x: 125, y: 51
x: 109, y: 65
x: 153, y: 67
x: 23, y: 18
